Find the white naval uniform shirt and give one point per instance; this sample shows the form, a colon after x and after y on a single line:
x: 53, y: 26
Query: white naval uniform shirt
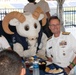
x: 4, y: 43
x: 61, y: 49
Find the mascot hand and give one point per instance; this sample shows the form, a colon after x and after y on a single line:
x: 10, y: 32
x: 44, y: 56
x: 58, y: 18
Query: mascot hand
x: 41, y: 54
x: 18, y: 48
x: 30, y: 52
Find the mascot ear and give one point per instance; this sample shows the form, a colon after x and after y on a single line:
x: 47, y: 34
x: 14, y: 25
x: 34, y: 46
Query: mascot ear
x: 39, y: 14
x: 41, y: 17
x: 44, y: 21
x: 14, y: 22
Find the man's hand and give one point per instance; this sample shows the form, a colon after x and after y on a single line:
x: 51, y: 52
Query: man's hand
x: 49, y: 59
x: 67, y: 70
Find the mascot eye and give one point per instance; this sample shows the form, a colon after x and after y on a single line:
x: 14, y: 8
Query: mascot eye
x: 26, y: 27
x: 35, y: 25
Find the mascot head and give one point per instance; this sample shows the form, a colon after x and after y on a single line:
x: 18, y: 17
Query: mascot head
x: 27, y: 24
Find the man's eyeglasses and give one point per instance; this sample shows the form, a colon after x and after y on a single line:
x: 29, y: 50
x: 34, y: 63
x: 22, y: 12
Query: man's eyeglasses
x: 54, y: 25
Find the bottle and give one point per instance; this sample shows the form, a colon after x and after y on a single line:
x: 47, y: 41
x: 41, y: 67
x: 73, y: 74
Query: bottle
x: 36, y: 67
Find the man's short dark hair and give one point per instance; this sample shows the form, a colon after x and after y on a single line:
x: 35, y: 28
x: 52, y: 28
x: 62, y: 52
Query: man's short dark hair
x: 31, y: 0
x: 10, y: 63
x: 54, y: 17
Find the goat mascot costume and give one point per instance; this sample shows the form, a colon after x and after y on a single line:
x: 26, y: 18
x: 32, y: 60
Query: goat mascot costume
x: 28, y: 27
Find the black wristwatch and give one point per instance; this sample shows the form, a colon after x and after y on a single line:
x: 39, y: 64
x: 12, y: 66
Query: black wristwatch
x: 69, y: 67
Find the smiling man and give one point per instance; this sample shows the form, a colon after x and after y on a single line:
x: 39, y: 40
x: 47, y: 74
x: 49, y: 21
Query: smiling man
x: 61, y: 47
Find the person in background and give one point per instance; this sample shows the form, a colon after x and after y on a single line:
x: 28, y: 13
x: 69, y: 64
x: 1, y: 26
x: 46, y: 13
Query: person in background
x: 30, y: 7
x: 4, y: 43
x: 11, y: 63
x: 45, y: 7
x: 61, y: 47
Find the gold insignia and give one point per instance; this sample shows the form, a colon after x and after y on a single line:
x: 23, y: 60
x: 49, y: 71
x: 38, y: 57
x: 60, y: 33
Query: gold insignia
x: 65, y: 33
x: 49, y: 38
x: 63, y: 43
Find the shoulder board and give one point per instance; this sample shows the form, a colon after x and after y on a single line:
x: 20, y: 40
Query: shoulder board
x: 65, y: 33
x: 49, y: 38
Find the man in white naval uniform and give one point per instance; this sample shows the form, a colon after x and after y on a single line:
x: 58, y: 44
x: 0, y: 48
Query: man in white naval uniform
x: 61, y: 47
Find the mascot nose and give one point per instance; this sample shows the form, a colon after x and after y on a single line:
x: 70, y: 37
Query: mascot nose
x: 33, y: 38
x: 36, y: 37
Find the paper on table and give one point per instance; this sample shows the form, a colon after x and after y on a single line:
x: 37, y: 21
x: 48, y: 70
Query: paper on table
x: 31, y: 67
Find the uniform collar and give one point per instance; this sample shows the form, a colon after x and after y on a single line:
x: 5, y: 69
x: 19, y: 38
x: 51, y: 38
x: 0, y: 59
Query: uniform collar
x: 57, y: 37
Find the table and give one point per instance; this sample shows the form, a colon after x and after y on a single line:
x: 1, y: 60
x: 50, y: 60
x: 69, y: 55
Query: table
x: 28, y: 72
x: 41, y: 72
